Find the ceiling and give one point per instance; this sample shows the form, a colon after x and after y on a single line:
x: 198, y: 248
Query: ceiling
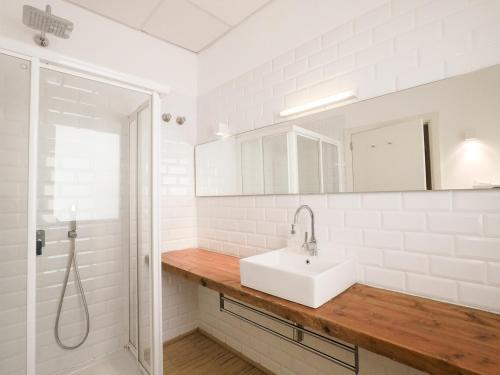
x: 191, y: 24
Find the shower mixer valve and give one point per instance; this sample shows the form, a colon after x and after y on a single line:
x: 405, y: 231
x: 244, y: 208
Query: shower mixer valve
x: 72, y: 234
x: 40, y: 241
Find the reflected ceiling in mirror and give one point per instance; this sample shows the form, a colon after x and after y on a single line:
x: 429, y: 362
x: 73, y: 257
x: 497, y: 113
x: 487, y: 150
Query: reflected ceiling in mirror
x: 439, y: 136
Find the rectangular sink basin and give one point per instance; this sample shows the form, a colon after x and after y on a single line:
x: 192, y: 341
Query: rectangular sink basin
x: 310, y: 281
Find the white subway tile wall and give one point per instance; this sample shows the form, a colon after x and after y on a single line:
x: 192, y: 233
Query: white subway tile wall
x: 450, y: 266
x: 178, y: 205
x: 178, y: 215
x: 14, y: 129
x: 413, y: 251
x: 397, y: 45
x: 180, y: 306
x: 403, y: 241
x: 441, y: 245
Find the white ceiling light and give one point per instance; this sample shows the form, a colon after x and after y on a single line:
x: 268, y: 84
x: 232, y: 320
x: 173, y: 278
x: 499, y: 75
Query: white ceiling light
x: 340, y: 97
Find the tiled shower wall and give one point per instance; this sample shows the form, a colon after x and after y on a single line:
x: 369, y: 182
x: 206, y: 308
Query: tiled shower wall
x: 443, y: 245
x: 14, y: 126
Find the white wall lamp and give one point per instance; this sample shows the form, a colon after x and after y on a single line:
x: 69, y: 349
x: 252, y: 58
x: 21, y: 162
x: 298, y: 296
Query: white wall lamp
x: 333, y: 99
x: 470, y: 135
x: 222, y: 130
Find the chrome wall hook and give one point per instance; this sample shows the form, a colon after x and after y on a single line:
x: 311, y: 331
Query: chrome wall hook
x: 166, y: 117
x: 180, y: 120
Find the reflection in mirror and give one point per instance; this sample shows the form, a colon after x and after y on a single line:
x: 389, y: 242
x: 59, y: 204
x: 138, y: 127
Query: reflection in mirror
x: 439, y: 136
x: 276, y: 156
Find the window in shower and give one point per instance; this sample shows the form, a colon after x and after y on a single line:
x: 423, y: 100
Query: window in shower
x: 86, y: 179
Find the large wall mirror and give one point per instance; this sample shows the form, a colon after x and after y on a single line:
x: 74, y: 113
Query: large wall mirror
x: 439, y: 136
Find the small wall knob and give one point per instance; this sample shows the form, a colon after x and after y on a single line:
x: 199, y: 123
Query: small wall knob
x: 166, y: 117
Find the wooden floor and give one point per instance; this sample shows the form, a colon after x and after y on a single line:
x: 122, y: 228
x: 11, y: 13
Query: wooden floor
x: 196, y: 354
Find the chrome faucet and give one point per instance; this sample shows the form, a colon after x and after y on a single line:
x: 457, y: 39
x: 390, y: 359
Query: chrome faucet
x: 309, y: 245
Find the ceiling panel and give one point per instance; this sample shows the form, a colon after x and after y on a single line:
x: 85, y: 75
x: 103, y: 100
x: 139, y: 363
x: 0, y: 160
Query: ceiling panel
x: 231, y: 11
x: 184, y: 24
x: 130, y: 12
x: 191, y: 24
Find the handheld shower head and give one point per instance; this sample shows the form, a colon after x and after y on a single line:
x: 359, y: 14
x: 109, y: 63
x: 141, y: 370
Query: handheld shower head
x: 46, y: 22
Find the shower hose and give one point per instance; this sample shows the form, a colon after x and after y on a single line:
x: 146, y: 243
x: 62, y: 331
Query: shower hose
x: 72, y: 262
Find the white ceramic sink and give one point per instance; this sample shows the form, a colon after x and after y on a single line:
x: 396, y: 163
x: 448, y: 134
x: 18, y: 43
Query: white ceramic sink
x: 297, y: 277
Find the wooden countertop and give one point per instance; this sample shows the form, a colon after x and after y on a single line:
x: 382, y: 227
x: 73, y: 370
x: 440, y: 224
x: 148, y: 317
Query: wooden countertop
x: 436, y: 337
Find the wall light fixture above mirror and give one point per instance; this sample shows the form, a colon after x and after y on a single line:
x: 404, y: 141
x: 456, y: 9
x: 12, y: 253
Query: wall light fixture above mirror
x: 340, y: 98
x: 439, y: 136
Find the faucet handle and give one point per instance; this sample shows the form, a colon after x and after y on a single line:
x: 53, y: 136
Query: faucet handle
x: 305, y: 245
x: 293, y: 229
x: 313, y: 248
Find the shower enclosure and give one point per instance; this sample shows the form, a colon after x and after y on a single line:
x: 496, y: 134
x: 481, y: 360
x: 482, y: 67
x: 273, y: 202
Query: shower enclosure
x: 77, y: 179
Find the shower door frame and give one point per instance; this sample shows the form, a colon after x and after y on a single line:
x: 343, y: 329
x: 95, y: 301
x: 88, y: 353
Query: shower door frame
x: 47, y: 59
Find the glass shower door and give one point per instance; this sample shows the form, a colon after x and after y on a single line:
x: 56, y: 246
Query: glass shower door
x: 145, y: 239
x: 140, y: 234
x: 85, y: 184
x: 14, y: 141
